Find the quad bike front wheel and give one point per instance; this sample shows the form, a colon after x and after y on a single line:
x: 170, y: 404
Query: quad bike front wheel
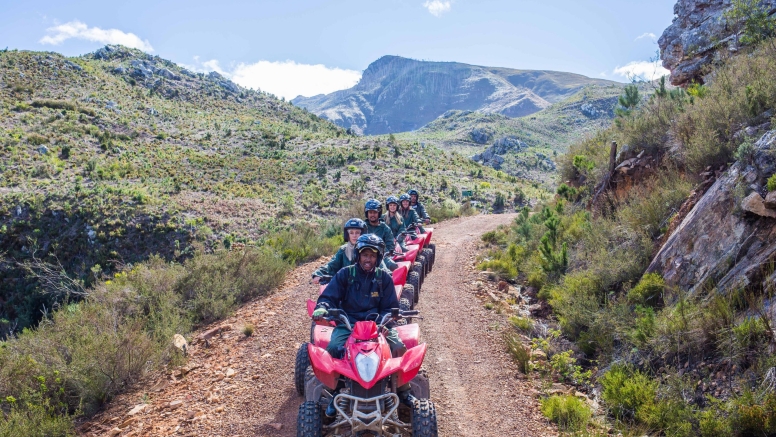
x: 432, y: 246
x: 300, y: 368
x: 408, y: 295
x: 309, y: 421
x: 423, y: 262
x: 424, y: 420
x: 418, y: 268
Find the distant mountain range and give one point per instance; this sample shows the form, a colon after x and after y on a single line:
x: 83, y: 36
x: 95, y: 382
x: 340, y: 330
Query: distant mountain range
x: 397, y: 94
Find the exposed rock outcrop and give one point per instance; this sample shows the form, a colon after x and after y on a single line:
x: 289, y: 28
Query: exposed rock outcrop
x: 726, y: 241
x: 697, y: 36
x: 491, y: 155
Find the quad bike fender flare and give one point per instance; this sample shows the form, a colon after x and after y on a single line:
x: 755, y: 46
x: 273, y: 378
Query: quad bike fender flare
x: 410, y: 363
x: 400, y: 274
x: 310, y: 307
x: 326, y: 370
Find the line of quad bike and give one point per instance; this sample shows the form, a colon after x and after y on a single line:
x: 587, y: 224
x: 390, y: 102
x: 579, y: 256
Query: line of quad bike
x: 364, y: 382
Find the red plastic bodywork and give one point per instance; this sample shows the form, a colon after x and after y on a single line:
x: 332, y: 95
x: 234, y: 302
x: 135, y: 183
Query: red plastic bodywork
x: 328, y: 369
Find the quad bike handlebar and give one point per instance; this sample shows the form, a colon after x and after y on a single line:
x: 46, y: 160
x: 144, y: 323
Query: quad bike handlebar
x: 338, y: 315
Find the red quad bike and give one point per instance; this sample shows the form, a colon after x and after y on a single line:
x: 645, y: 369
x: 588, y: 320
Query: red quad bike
x: 423, y: 239
x: 416, y: 267
x: 404, y: 291
x: 364, y: 383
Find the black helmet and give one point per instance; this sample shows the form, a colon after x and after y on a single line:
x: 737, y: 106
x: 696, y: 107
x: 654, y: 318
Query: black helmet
x: 414, y: 192
x: 373, y: 205
x: 404, y: 197
x: 354, y: 223
x: 370, y: 241
x: 390, y: 200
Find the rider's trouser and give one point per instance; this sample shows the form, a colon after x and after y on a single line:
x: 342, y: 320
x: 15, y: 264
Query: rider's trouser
x: 340, y: 335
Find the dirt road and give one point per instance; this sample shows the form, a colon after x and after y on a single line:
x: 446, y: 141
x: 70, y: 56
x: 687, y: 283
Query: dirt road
x: 243, y: 386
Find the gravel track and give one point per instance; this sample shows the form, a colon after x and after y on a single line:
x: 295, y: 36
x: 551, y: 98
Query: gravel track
x: 474, y: 383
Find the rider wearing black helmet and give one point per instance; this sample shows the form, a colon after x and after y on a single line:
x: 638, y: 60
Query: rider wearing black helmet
x: 418, y: 207
x: 360, y: 290
x: 372, y: 211
x: 346, y: 255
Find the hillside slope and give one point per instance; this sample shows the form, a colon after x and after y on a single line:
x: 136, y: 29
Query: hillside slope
x: 108, y: 158
x: 397, y: 94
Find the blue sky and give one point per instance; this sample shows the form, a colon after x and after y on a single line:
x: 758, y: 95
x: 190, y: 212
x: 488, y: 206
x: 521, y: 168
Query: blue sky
x: 293, y: 47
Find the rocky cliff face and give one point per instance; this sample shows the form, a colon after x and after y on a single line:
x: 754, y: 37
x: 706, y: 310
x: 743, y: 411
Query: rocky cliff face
x: 728, y: 239
x: 397, y: 94
x: 697, y: 37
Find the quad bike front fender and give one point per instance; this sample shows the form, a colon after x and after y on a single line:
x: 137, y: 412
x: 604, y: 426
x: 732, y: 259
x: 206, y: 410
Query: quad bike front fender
x: 410, y: 363
x: 323, y: 366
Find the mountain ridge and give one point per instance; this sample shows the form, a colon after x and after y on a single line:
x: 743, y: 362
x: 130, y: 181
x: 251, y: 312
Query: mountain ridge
x: 393, y: 93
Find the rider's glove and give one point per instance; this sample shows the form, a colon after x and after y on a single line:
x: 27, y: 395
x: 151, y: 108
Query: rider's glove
x: 319, y: 313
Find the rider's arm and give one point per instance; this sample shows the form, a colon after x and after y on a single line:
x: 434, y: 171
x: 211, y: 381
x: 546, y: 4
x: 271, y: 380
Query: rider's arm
x: 333, y: 266
x: 402, y: 228
x: 390, y: 243
x: 421, y: 210
x: 333, y: 293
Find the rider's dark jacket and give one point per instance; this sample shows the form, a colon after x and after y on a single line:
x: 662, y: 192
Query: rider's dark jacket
x: 360, y: 293
x: 410, y: 217
x: 421, y: 210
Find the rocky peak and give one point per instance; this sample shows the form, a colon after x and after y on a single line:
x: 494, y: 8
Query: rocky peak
x: 698, y: 36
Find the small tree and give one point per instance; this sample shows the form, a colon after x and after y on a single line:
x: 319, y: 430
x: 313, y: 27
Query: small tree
x: 628, y: 101
x: 750, y: 21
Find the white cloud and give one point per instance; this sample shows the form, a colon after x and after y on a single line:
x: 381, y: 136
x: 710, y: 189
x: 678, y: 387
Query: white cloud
x: 75, y: 29
x: 649, y: 35
x: 285, y: 78
x: 437, y: 7
x: 646, y: 70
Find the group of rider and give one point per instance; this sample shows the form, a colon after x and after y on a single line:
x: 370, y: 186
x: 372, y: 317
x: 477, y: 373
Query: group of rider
x: 366, y: 287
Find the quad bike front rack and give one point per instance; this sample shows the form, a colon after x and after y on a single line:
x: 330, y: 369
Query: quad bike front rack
x: 373, y: 421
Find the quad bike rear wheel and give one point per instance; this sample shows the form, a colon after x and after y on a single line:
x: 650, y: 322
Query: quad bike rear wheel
x: 404, y: 305
x: 432, y: 246
x: 424, y: 421
x: 423, y: 262
x: 408, y: 294
x: 414, y: 280
x: 429, y: 258
x: 418, y: 268
x: 300, y: 368
x: 309, y: 421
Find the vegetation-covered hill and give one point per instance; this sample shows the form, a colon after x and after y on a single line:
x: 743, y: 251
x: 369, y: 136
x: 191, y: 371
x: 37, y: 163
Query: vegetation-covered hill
x: 114, y: 156
x: 397, y: 94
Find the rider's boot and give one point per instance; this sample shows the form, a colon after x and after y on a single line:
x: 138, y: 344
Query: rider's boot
x: 330, y: 410
x: 405, y: 397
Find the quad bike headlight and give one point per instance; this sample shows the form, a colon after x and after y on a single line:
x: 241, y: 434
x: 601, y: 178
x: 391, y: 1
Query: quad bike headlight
x: 367, y: 365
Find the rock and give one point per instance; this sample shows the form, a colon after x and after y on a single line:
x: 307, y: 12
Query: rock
x: 277, y: 426
x: 74, y: 66
x: 137, y: 409
x: 114, y: 432
x: 141, y: 69
x: 43, y: 150
x: 230, y: 372
x: 119, y: 70
x: 712, y: 244
x: 697, y: 34
x: 219, y: 409
x: 180, y: 342
x: 480, y: 135
x: 127, y: 422
x: 188, y: 73
x: 229, y: 86
x: 174, y: 405
x: 770, y: 200
x: 167, y: 74
x: 755, y: 204
x: 538, y: 355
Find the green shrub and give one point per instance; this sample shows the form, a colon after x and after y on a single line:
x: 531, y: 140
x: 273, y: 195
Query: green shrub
x: 569, y: 412
x: 772, y: 183
x: 648, y: 291
x: 520, y: 354
x: 524, y: 324
x: 626, y: 391
x: 503, y: 267
x: 751, y: 416
x: 711, y: 423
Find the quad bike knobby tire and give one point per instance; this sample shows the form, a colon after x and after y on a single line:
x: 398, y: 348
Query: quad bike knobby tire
x: 423, y: 262
x: 424, y: 420
x: 418, y: 268
x: 408, y: 294
x: 300, y: 368
x: 432, y: 246
x: 309, y: 421
x: 429, y: 258
x: 414, y: 280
